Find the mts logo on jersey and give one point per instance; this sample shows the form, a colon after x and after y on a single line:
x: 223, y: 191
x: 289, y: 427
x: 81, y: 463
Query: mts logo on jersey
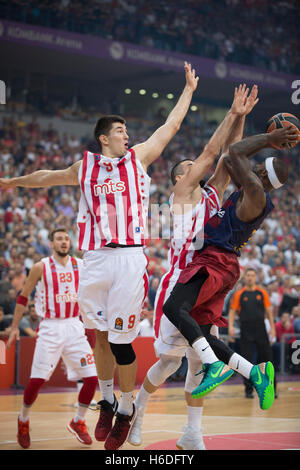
x: 109, y: 187
x: 66, y: 297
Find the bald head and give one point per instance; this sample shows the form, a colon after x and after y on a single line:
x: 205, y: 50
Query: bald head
x: 281, y: 170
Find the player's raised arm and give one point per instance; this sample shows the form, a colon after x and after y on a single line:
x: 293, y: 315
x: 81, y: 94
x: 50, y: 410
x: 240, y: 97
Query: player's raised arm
x: 240, y: 170
x: 230, y: 130
x: 241, y: 106
x: 22, y: 300
x: 152, y: 148
x: 44, y: 178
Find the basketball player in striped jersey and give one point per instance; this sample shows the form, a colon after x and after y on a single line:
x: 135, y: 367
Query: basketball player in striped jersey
x: 191, y: 206
x: 112, y: 230
x: 196, y: 302
x: 60, y: 334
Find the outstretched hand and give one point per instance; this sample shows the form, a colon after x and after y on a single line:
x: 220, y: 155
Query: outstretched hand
x: 190, y: 76
x: 243, y: 102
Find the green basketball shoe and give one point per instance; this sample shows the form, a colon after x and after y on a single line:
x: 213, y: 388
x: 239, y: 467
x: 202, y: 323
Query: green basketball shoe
x: 214, y: 375
x: 262, y: 378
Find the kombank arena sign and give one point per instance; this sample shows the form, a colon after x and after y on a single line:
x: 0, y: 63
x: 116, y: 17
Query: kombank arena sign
x: 131, y: 53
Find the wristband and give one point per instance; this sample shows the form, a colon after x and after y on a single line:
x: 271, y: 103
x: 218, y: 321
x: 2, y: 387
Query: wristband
x: 22, y: 300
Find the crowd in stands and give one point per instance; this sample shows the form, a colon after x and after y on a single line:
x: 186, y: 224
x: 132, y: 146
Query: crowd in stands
x: 260, y: 33
x: 27, y: 216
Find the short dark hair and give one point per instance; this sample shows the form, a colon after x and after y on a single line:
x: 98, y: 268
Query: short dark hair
x: 61, y: 229
x: 104, y: 125
x: 177, y: 170
x: 250, y: 269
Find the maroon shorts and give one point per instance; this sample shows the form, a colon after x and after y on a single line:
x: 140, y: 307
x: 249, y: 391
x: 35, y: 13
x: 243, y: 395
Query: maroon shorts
x: 223, y: 271
x: 91, y: 336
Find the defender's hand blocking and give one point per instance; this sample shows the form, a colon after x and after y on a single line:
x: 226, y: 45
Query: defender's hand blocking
x: 279, y: 137
x: 190, y: 76
x: 242, y: 103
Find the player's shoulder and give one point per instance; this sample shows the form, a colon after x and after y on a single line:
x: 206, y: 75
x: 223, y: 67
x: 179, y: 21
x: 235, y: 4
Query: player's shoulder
x: 40, y: 264
x: 38, y: 268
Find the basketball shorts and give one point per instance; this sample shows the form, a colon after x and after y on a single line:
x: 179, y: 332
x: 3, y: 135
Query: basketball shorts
x: 62, y: 338
x: 222, y: 270
x: 112, y: 289
x: 169, y: 341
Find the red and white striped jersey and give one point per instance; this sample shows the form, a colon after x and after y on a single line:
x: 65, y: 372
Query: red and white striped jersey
x: 114, y: 201
x: 188, y: 228
x: 187, y: 237
x: 56, y: 292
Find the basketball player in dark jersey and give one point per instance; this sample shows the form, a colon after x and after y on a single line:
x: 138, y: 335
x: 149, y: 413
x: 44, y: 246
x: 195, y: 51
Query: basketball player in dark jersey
x: 196, y: 301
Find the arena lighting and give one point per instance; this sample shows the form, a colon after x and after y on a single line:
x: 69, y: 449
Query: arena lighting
x: 127, y: 91
x: 142, y: 92
x: 170, y: 96
x: 155, y: 95
x: 194, y: 107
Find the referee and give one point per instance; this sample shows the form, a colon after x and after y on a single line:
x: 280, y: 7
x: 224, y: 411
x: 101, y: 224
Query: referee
x: 253, y: 305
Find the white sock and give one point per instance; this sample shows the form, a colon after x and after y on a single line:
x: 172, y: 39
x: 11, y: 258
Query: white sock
x: 240, y: 365
x: 126, y: 403
x: 204, y: 351
x: 24, y: 415
x: 107, y: 390
x: 195, y: 417
x: 142, y: 398
x: 80, y: 412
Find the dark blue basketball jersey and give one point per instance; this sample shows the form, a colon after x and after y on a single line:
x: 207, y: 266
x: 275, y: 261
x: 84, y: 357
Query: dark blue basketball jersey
x: 225, y: 230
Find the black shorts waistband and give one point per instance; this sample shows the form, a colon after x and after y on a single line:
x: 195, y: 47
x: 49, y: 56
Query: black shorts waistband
x: 116, y: 245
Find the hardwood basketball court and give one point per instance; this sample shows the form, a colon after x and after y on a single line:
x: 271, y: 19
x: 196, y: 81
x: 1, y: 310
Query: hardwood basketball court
x: 230, y: 421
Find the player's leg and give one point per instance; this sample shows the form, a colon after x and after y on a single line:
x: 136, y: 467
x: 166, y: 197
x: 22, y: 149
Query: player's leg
x: 91, y: 337
x: 156, y: 376
x: 105, y: 363
x: 95, y: 282
x: 177, y: 309
x: 126, y: 367
x: 45, y: 358
x: 213, y: 352
x: 124, y: 305
x: 169, y: 346
x: 261, y: 376
x: 192, y: 438
x: 30, y: 394
x: 79, y: 359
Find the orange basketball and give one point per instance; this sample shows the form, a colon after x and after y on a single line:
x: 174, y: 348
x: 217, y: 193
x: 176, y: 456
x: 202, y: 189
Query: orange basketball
x: 284, y: 120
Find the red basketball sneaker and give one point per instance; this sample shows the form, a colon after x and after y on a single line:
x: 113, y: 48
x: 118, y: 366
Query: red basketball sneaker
x: 23, y: 434
x: 119, y: 434
x: 79, y: 430
x: 104, y: 424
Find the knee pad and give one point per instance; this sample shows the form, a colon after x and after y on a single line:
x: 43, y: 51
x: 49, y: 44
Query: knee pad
x: 123, y: 353
x: 192, y: 380
x: 162, y: 369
